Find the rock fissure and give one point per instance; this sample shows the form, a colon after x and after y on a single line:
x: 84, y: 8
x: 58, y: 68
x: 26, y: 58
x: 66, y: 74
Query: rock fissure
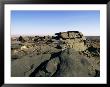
x: 42, y: 66
x: 64, y: 55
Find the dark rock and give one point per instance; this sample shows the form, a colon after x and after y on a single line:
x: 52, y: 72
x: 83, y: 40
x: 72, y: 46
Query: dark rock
x: 72, y: 64
x: 52, y: 65
x: 69, y: 54
x: 23, y: 66
x: 21, y: 39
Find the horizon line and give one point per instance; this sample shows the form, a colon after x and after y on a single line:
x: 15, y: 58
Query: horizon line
x: 43, y: 35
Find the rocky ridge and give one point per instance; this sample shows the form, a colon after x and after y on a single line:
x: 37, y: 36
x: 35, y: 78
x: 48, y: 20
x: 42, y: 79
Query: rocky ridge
x: 68, y: 54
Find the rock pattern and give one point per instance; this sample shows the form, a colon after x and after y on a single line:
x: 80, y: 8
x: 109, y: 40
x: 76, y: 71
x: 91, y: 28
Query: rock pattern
x: 73, y: 65
x: 69, y: 54
x: 73, y: 39
x: 26, y: 65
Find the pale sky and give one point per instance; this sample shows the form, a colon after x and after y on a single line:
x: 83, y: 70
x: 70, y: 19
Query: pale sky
x: 50, y: 22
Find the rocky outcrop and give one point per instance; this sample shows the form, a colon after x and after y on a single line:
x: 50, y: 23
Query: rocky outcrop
x: 73, y: 39
x: 67, y: 63
x: 69, y: 54
x: 27, y: 64
x: 73, y: 64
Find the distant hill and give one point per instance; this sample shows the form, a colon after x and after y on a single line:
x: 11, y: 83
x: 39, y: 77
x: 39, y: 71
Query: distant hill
x: 93, y: 37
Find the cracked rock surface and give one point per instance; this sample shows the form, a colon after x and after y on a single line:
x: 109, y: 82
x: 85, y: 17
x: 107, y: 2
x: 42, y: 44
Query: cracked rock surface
x: 70, y: 55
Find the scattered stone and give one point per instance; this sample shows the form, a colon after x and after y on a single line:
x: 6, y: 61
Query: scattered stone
x: 68, y: 54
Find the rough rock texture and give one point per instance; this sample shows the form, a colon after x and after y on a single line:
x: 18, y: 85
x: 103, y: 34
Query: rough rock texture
x: 52, y: 65
x: 22, y: 67
x: 69, y: 54
x: 73, y: 65
x: 73, y: 39
x: 68, y: 63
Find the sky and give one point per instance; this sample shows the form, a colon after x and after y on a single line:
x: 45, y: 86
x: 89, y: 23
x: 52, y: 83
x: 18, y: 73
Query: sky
x: 34, y: 22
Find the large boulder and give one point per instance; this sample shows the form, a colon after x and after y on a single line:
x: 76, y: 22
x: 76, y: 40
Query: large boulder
x: 26, y: 65
x: 73, y: 39
x: 73, y: 64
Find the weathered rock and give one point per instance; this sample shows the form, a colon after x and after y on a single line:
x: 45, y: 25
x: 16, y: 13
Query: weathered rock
x: 47, y: 37
x: 73, y: 65
x: 26, y: 65
x: 80, y: 33
x: 17, y: 54
x: 71, y: 54
x: 16, y: 46
x: 74, y: 34
x: 40, y: 74
x: 21, y: 39
x: 52, y: 65
x: 84, y: 38
x: 73, y: 39
x: 64, y: 35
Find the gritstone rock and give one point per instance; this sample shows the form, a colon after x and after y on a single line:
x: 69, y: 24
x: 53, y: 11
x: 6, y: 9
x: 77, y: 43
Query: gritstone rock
x: 73, y: 39
x: 72, y: 64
